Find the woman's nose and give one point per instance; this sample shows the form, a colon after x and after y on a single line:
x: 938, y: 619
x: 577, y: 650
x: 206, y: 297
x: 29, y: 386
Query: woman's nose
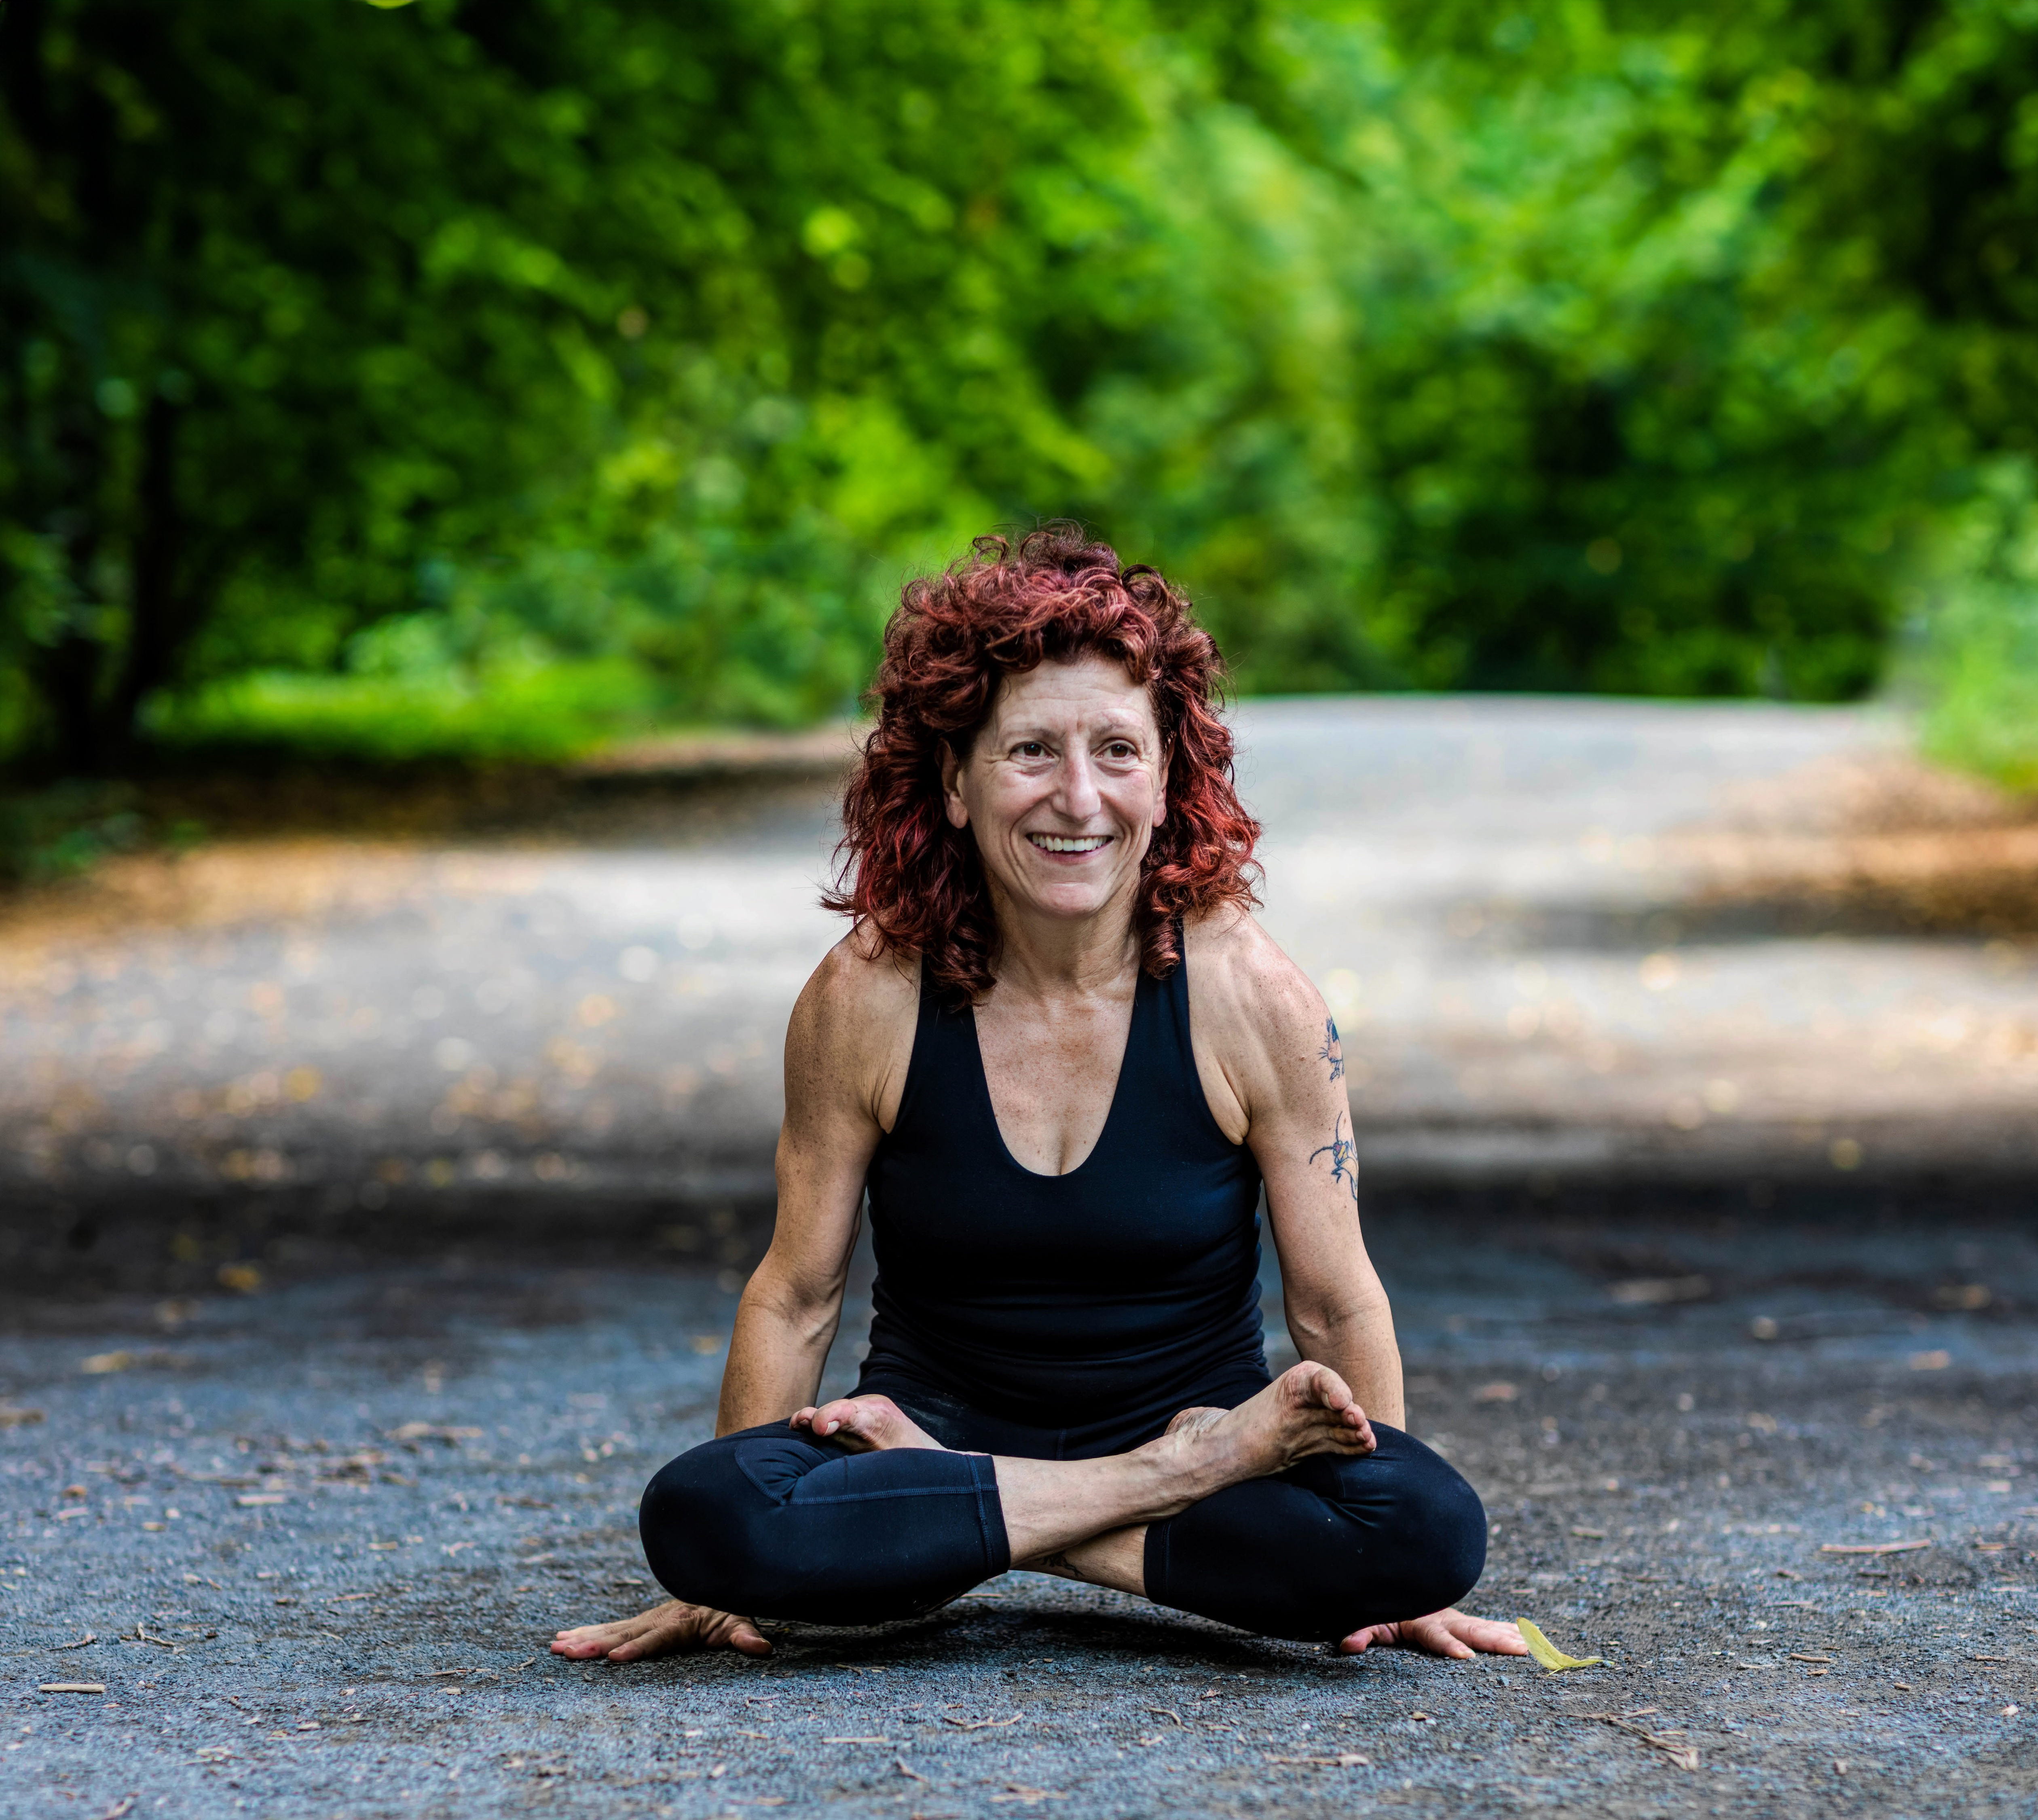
x: 1078, y: 795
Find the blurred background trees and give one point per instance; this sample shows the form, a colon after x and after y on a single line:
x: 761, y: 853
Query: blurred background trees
x: 445, y: 378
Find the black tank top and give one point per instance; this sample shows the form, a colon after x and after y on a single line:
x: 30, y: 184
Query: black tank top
x: 1056, y: 1300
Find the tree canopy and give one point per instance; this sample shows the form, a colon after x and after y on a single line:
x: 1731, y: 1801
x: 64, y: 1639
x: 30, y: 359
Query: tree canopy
x: 491, y: 374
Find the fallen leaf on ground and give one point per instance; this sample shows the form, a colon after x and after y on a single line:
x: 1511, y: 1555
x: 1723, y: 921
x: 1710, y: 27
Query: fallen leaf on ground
x: 72, y: 1687
x: 1873, y: 1548
x: 1548, y: 1654
x: 980, y: 1724
x: 898, y: 1763
x: 118, y: 1808
x: 82, y: 1642
x: 1167, y: 1712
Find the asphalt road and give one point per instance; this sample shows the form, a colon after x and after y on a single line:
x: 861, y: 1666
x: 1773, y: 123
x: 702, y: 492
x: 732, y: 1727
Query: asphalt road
x: 319, y: 1535
x: 1567, y: 941
x: 372, y: 1209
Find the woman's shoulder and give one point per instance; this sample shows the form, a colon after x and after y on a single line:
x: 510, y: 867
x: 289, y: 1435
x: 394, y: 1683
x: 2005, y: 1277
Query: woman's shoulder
x: 1241, y: 983
x: 862, y: 984
x: 850, y: 1039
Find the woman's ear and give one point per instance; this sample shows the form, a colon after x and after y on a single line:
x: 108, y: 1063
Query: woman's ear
x: 1160, y: 795
x: 952, y: 804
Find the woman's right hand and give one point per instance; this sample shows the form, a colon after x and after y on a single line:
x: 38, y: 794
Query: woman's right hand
x: 661, y: 1631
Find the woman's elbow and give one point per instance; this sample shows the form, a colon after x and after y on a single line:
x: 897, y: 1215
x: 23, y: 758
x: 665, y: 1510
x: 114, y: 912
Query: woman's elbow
x: 805, y: 1308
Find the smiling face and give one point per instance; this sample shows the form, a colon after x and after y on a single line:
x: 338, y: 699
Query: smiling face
x: 1063, y: 788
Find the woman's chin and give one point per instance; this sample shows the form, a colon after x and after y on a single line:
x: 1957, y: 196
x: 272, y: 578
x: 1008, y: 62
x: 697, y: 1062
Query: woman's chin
x: 1072, y: 900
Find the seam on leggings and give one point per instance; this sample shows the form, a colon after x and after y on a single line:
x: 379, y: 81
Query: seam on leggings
x: 886, y: 1497
x: 983, y: 1470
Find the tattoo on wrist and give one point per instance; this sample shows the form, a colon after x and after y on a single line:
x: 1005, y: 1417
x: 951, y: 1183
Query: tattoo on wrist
x: 1342, y: 1152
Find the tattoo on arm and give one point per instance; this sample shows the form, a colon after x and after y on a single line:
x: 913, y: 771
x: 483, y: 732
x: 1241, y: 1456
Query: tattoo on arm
x: 1343, y: 1153
x: 1332, y: 1050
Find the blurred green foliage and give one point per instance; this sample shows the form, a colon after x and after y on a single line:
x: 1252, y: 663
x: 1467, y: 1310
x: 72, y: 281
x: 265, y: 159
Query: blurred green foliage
x: 444, y: 377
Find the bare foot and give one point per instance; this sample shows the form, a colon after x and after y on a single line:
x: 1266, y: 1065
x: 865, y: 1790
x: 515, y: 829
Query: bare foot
x: 1308, y: 1409
x: 1193, y: 1421
x: 674, y: 1625
x: 868, y: 1424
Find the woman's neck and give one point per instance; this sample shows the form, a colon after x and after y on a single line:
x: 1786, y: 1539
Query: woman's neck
x: 1053, y: 956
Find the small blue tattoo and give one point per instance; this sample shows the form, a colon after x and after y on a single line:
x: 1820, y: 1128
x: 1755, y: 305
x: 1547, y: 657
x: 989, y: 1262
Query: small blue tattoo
x: 1344, y: 1154
x: 1332, y: 1050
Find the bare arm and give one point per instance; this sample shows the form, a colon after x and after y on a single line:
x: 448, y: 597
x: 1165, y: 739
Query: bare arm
x: 1274, y: 1073
x: 846, y: 1051
x: 847, y: 1048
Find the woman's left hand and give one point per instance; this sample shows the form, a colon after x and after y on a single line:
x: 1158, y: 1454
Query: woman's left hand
x: 1449, y: 1634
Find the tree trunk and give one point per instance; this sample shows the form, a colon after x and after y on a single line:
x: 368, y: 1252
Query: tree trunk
x: 159, y: 619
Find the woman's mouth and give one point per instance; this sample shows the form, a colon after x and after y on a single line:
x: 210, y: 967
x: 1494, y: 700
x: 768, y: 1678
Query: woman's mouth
x: 1069, y: 843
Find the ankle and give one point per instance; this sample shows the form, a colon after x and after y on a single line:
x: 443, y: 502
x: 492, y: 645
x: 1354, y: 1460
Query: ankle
x: 1187, y: 1467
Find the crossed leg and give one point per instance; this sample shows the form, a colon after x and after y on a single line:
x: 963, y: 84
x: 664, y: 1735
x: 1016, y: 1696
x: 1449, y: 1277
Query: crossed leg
x: 1035, y: 1494
x: 1084, y: 1520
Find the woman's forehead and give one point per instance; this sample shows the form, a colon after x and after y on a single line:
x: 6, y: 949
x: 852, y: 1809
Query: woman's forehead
x: 1090, y: 690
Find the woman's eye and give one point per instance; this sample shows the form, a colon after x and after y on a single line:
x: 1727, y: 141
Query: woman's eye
x: 1031, y: 748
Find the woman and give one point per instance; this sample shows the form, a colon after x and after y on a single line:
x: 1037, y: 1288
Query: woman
x: 1060, y: 1058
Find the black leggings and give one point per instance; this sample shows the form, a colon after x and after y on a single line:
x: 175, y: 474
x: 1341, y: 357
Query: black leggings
x: 771, y: 1523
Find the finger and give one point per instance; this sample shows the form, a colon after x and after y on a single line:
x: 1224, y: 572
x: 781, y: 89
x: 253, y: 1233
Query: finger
x: 746, y: 1637
x: 1495, y: 1639
x: 1433, y: 1635
x: 581, y: 1646
x: 802, y: 1418
x: 1360, y: 1641
x: 652, y: 1643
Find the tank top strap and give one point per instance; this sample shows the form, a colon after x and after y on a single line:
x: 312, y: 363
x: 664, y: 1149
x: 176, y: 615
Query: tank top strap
x: 945, y: 1087
x: 1171, y: 1021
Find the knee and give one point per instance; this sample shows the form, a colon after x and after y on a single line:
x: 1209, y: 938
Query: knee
x: 701, y: 1519
x: 678, y: 1511
x: 1440, y: 1527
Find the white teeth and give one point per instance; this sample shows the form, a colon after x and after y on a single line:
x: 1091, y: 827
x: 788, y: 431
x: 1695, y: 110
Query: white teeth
x: 1068, y: 843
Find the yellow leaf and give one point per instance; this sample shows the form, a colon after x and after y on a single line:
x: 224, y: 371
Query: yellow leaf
x: 1547, y: 1653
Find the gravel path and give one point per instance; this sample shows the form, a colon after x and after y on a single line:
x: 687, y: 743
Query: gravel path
x: 320, y: 1534
x: 1584, y: 940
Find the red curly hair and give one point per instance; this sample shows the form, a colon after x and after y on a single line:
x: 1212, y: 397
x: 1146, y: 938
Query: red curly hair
x: 915, y: 882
